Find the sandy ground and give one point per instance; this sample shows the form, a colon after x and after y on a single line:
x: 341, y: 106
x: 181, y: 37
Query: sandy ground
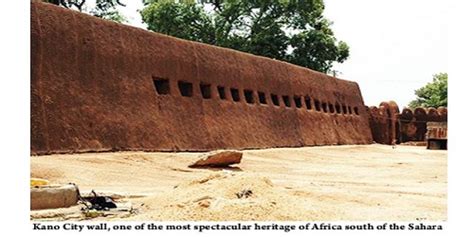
x: 328, y: 183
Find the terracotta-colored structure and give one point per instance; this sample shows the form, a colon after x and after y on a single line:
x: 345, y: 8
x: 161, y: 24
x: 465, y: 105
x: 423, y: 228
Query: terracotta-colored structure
x: 98, y: 86
x: 437, y: 135
x: 383, y: 122
x: 388, y: 126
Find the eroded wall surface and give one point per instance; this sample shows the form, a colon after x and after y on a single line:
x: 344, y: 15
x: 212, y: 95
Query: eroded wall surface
x: 389, y: 126
x: 99, y: 86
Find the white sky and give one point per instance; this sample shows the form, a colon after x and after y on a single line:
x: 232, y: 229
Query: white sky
x: 395, y: 45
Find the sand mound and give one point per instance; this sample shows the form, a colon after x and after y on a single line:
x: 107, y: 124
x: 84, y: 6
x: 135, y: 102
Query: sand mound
x: 327, y: 183
x: 51, y: 174
x: 215, y: 198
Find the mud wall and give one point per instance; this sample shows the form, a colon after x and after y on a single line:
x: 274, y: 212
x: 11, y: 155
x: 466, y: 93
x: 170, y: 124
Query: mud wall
x: 389, y: 126
x: 413, y: 122
x: 383, y: 122
x: 98, y: 86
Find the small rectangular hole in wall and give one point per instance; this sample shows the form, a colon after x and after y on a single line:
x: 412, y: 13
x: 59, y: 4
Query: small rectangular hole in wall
x: 261, y: 98
x: 221, y: 91
x: 249, y: 96
x: 350, y: 109
x: 331, y: 108
x: 286, y: 100
x: 338, y: 108
x: 356, y: 110
x: 344, y: 109
x: 325, y: 107
x: 185, y: 88
x: 275, y: 100
x: 162, y: 86
x: 297, y: 100
x: 235, y: 94
x: 317, y: 105
x: 307, y: 101
x: 205, y: 90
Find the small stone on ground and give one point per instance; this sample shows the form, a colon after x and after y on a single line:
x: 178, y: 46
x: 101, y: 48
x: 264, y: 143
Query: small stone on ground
x: 218, y: 159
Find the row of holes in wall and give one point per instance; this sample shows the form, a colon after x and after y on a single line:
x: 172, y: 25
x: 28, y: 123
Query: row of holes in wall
x: 162, y: 87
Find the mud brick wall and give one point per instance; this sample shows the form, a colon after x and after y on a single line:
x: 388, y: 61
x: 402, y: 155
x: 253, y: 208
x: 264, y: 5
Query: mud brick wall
x: 413, y: 122
x: 384, y: 122
x: 101, y: 86
x: 389, y: 126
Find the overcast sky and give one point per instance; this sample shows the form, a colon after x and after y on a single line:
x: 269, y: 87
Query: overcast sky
x: 395, y: 45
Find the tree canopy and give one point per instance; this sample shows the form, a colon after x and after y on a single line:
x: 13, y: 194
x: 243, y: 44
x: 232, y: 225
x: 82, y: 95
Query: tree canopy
x: 106, y: 9
x: 290, y: 30
x: 433, y: 94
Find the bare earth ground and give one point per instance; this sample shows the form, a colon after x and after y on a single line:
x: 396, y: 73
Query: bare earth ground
x: 328, y: 183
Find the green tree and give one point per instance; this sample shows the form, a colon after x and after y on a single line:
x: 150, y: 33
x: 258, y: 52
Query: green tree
x: 291, y: 30
x: 433, y: 94
x: 105, y: 9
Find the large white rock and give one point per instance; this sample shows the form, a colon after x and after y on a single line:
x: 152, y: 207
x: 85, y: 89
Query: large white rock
x: 44, y: 197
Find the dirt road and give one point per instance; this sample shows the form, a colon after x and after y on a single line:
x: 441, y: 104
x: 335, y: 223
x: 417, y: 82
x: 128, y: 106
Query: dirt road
x: 328, y: 183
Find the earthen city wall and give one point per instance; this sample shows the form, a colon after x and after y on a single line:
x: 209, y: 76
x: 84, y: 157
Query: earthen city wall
x: 389, y: 126
x: 97, y: 85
